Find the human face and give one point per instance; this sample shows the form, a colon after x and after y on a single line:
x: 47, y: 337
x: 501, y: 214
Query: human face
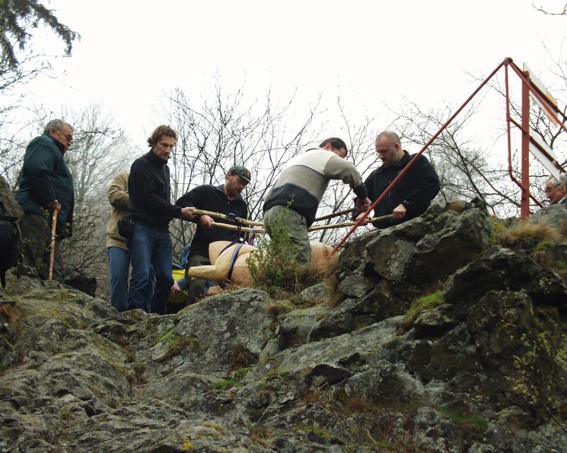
x: 234, y: 185
x: 554, y: 193
x: 164, y: 147
x: 389, y: 151
x: 63, y: 136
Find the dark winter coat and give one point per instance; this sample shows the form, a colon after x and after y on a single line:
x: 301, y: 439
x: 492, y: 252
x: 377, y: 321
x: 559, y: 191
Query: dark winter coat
x: 415, y: 190
x: 45, y: 178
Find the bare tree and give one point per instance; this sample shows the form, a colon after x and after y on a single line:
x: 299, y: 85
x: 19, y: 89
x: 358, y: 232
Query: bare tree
x: 558, y: 12
x: 338, y: 196
x: 230, y: 130
x: 98, y: 152
x: 19, y: 63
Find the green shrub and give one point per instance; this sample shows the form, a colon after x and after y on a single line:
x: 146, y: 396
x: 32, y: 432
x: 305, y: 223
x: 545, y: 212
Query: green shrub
x: 272, y: 264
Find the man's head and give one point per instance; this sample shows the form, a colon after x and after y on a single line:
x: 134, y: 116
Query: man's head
x: 556, y: 190
x: 60, y: 131
x: 335, y: 145
x: 162, y: 141
x: 389, y: 148
x: 237, y: 178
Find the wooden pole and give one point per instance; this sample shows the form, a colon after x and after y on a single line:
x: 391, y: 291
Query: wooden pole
x: 53, y: 236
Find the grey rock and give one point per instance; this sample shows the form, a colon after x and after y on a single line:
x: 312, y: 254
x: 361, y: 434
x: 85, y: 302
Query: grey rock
x: 483, y: 371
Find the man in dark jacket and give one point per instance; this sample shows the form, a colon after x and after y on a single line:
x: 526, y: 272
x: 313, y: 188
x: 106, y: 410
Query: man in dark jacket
x: 224, y: 199
x: 46, y: 184
x: 413, y: 193
x: 149, y: 203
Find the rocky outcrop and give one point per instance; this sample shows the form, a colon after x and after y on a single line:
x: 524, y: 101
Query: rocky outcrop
x: 443, y: 342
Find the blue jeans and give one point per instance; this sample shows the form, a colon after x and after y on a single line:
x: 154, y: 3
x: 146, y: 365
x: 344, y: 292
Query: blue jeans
x: 150, y: 248
x: 119, y: 260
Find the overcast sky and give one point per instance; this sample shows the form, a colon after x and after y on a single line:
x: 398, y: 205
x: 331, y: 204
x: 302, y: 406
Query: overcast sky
x: 369, y: 52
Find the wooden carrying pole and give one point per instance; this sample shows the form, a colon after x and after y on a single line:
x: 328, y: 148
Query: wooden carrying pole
x: 226, y: 217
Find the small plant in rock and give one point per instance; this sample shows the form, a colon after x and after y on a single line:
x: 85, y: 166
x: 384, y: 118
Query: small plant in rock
x: 241, y: 373
x: 419, y: 306
x: 241, y: 357
x: 176, y: 344
x: 8, y: 313
x: 261, y: 434
x: 225, y: 384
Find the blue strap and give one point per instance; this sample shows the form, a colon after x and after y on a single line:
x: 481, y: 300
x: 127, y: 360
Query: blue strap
x: 233, y: 260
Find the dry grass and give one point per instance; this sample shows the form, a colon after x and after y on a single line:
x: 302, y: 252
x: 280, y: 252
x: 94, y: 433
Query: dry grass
x: 527, y: 235
x: 8, y: 314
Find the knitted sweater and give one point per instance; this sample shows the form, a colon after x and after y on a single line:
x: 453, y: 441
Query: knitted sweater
x: 149, y: 191
x: 305, y: 178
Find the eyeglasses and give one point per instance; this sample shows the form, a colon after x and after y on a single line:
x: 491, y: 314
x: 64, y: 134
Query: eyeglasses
x: 551, y: 189
x: 68, y: 137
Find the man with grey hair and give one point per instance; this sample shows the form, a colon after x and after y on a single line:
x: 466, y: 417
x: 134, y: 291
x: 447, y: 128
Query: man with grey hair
x: 46, y: 185
x: 556, y: 189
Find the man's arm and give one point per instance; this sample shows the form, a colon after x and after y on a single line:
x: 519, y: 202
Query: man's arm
x: 118, y: 191
x: 196, y: 198
x: 426, y: 189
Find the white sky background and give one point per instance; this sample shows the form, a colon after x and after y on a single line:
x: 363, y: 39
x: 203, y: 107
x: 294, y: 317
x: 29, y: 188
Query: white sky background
x: 370, y: 52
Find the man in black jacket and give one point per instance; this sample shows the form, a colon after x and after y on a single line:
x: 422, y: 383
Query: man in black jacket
x: 149, y: 203
x: 224, y: 199
x: 413, y: 193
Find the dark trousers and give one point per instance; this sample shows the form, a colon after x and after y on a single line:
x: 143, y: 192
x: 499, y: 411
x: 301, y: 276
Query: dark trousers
x: 36, y: 246
x: 150, y: 255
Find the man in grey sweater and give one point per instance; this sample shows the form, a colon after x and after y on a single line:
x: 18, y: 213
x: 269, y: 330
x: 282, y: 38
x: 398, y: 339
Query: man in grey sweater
x: 295, y: 197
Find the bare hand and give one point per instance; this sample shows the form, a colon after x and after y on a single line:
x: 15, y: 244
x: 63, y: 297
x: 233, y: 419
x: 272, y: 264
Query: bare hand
x: 361, y: 215
x: 187, y: 213
x: 362, y: 205
x: 399, y: 212
x: 54, y: 205
x: 175, y: 288
x: 206, y: 221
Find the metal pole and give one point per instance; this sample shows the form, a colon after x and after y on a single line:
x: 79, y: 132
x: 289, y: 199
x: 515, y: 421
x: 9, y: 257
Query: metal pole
x: 415, y: 157
x: 525, y: 164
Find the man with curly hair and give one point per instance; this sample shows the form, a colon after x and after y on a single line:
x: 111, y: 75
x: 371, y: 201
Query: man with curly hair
x: 149, y: 204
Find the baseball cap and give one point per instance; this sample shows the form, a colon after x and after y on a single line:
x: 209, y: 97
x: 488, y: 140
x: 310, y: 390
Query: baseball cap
x: 241, y: 171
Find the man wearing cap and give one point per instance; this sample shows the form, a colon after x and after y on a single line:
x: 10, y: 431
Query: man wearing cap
x: 225, y: 199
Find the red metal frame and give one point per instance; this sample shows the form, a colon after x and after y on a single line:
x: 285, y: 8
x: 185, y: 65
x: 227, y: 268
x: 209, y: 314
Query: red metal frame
x: 527, y: 88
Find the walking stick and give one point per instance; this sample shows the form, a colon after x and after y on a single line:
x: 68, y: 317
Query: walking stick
x: 53, y: 231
